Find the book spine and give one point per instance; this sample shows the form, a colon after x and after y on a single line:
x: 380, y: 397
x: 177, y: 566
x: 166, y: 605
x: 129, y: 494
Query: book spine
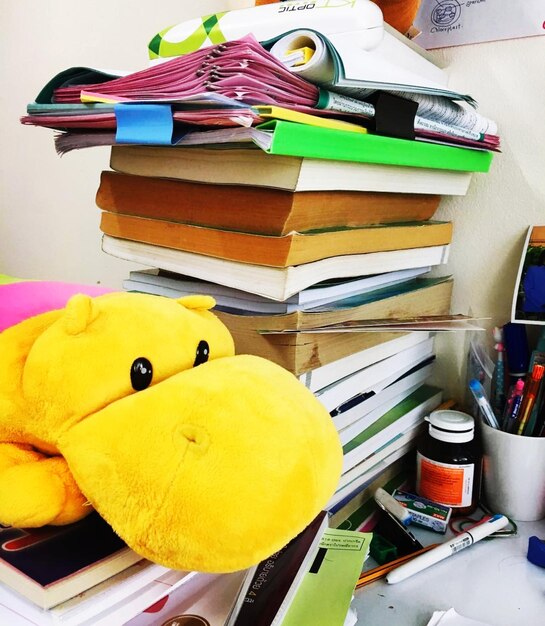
x: 275, y: 576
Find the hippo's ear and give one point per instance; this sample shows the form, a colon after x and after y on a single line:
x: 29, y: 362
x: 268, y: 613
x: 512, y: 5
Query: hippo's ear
x: 80, y: 311
x: 203, y: 303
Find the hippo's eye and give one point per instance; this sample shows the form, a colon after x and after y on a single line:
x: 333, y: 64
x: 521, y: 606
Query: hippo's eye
x: 141, y: 373
x: 203, y: 352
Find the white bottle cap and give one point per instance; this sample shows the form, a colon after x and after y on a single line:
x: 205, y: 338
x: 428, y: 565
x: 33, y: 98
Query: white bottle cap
x: 451, y: 426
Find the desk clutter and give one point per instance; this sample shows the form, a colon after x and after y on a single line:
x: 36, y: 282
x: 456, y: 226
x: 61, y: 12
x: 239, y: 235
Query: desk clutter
x: 289, y: 167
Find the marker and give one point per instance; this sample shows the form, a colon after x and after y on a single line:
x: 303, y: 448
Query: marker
x: 392, y: 506
x: 499, y: 371
x: 478, y: 532
x: 480, y: 397
x: 515, y: 343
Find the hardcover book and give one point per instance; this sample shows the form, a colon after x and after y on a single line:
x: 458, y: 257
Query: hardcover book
x: 416, y: 300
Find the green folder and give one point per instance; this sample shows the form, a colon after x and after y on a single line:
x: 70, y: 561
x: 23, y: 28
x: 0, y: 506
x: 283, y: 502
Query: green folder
x: 302, y: 140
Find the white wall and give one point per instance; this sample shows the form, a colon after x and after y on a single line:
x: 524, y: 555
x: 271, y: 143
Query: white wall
x: 48, y: 219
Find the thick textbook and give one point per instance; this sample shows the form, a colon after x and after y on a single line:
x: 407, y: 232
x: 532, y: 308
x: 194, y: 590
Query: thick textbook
x: 300, y: 353
x: 424, y: 294
x: 257, y: 168
x: 52, y: 564
x: 291, y: 249
x: 300, y: 140
x: 278, y: 283
x: 259, y: 210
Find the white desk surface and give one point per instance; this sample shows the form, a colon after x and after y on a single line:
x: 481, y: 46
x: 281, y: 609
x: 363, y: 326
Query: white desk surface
x: 491, y: 581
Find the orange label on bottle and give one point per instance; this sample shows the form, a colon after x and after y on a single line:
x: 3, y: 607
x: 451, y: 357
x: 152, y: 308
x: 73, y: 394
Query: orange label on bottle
x: 444, y: 483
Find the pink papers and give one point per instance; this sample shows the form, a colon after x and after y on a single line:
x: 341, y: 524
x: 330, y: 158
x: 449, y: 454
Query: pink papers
x: 241, y: 69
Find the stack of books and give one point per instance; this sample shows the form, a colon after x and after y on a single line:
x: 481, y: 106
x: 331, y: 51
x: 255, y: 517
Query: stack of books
x: 76, y: 575
x: 293, y: 259
x: 83, y: 575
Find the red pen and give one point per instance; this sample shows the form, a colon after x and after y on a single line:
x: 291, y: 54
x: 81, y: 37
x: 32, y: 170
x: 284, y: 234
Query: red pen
x: 513, y: 407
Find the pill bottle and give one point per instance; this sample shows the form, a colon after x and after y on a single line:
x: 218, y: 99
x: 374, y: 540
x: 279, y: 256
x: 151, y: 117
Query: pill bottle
x: 449, y: 462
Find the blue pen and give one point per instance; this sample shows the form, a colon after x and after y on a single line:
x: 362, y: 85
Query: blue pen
x: 480, y: 398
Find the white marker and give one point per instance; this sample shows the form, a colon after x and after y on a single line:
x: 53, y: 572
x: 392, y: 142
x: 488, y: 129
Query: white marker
x: 446, y: 549
x: 390, y: 504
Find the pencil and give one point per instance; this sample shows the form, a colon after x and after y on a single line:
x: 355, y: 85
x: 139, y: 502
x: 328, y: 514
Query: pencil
x: 366, y: 578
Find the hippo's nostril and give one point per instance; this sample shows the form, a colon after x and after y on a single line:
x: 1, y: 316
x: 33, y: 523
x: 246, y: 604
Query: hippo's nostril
x: 197, y: 438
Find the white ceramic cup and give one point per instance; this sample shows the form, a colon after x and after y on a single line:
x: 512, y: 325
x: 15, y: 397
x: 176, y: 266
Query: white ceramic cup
x: 514, y: 474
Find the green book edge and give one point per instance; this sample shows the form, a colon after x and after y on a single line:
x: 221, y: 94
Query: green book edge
x: 418, y: 397
x: 293, y: 139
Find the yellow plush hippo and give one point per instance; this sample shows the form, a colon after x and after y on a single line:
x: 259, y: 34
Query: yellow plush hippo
x: 136, y: 405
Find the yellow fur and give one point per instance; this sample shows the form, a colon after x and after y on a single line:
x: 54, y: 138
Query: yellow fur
x: 211, y: 467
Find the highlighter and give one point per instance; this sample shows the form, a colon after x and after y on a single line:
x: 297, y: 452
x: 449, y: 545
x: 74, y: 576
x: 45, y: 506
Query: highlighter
x: 530, y: 397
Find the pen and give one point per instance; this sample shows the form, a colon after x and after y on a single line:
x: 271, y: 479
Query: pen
x: 513, y: 407
x: 481, y: 399
x: 529, y: 397
x: 444, y: 550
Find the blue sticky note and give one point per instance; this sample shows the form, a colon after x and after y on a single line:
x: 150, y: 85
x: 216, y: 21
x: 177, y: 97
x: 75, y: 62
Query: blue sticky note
x: 148, y: 124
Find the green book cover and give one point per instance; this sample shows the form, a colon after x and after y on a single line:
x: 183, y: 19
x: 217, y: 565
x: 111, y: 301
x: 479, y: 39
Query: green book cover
x: 418, y: 397
x: 324, y: 596
x: 292, y: 139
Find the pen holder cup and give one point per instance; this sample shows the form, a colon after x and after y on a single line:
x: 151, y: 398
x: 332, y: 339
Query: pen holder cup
x: 514, y: 474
